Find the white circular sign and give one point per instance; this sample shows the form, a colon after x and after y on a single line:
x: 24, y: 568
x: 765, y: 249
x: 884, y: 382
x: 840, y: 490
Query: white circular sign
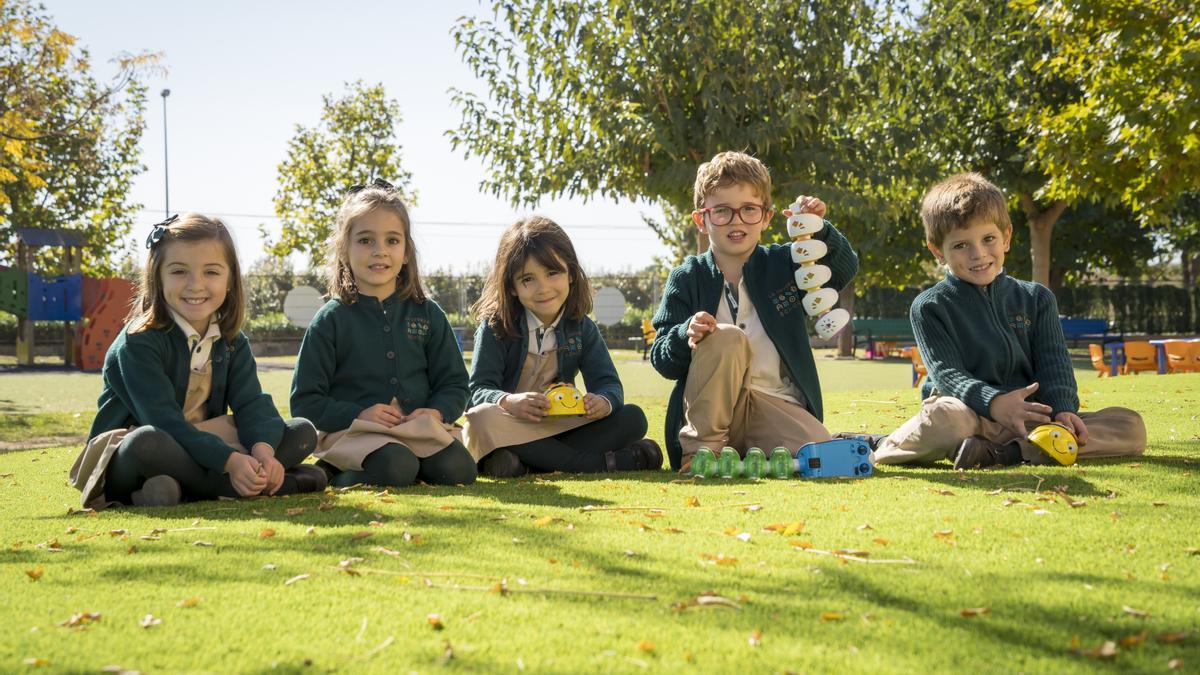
x: 301, y: 304
x: 609, y: 306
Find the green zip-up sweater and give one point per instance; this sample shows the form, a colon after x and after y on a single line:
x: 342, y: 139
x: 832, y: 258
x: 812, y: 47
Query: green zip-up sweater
x: 978, y: 343
x: 497, y: 363
x: 355, y: 356
x: 145, y: 383
x: 697, y: 285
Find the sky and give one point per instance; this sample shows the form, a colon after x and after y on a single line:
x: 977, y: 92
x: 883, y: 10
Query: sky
x: 242, y: 75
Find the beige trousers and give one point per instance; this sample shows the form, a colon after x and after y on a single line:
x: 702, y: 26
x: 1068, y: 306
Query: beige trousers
x: 944, y: 422
x: 720, y: 408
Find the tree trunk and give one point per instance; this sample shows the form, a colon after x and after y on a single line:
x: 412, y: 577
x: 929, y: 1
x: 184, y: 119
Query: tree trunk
x: 1041, y: 233
x: 845, y: 339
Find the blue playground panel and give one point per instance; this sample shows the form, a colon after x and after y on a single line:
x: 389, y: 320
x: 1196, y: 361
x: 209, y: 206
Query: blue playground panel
x: 55, y: 298
x: 14, y: 296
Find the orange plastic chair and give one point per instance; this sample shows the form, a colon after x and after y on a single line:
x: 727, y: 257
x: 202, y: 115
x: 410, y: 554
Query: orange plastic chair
x: 919, y: 371
x: 1140, y: 356
x: 1180, y: 358
x: 1194, y: 354
x: 1097, y: 352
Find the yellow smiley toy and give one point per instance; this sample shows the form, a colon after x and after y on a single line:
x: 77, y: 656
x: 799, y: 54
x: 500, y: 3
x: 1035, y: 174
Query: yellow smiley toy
x: 1057, y: 441
x: 565, y: 399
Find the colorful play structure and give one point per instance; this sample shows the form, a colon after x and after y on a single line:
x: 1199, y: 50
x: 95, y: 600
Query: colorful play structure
x: 92, y: 310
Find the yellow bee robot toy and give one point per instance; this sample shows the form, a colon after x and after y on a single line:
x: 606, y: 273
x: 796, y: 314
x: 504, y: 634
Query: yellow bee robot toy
x: 1056, y: 440
x: 565, y: 399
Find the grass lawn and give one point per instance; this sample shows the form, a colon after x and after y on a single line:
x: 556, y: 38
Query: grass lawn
x: 1017, y: 570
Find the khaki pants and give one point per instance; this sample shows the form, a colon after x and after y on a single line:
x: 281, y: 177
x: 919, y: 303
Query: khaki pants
x: 720, y: 409
x: 944, y: 422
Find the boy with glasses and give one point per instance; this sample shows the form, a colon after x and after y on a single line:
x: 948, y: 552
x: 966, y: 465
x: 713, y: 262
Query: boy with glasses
x: 731, y: 329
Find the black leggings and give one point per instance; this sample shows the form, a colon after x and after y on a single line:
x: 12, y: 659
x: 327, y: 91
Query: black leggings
x: 583, y: 449
x: 395, y: 465
x: 149, y: 451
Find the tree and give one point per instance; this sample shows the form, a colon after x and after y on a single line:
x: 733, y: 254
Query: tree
x: 68, y: 143
x: 1131, y: 137
x: 354, y: 143
x: 624, y: 99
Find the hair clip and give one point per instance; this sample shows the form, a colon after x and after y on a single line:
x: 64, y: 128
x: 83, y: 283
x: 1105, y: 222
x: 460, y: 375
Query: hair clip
x: 377, y: 183
x: 159, y: 230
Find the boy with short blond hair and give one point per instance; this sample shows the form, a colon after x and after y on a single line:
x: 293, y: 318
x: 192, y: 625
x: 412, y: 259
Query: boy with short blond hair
x: 994, y: 348
x: 731, y: 330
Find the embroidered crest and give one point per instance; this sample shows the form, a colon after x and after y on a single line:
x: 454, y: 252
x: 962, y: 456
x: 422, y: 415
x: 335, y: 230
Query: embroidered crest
x: 1020, y: 322
x: 574, y: 343
x: 786, y: 299
x: 417, y: 329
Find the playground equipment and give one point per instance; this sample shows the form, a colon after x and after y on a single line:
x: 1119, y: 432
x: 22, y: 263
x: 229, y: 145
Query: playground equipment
x: 806, y: 251
x: 92, y: 310
x: 848, y: 457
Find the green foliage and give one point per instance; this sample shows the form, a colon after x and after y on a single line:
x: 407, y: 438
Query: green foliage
x: 68, y: 143
x: 625, y: 99
x: 1131, y: 137
x: 354, y: 143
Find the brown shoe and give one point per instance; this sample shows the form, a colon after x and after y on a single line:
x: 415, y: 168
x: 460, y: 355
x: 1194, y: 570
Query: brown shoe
x: 978, y: 452
x: 647, y: 455
x: 502, y: 463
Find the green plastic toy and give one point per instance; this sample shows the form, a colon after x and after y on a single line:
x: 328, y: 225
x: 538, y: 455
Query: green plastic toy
x: 781, y: 464
x: 704, y: 464
x: 755, y: 464
x: 729, y: 463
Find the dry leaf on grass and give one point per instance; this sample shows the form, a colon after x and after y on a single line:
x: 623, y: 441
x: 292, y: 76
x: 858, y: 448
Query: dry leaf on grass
x: 266, y: 533
x: 1172, y: 638
x: 881, y: 541
x: 1175, y: 664
x: 972, y: 612
x: 864, y: 527
x: 298, y: 577
x: 202, y: 543
x: 435, y: 621
x: 646, y: 646
x: 80, y: 619
x: 755, y: 638
x: 190, y: 602
x: 692, y: 501
x: 35, y: 662
x: 35, y: 573
x: 295, y: 511
x: 544, y: 521
x: 826, y: 617
x: 149, y: 621
x: 941, y: 491
x: 1133, y: 640
x: 719, y: 559
x: 1139, y: 613
x: 361, y: 535
x: 706, y: 599
x: 324, y: 506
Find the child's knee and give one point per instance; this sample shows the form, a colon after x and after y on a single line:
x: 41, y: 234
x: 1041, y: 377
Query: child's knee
x: 393, y: 464
x: 727, y: 338
x: 951, y: 415
x: 453, y: 465
x: 631, y: 417
x: 301, y: 434
x: 147, y: 442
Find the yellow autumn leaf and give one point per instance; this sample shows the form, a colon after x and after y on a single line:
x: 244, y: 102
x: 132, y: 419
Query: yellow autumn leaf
x: 267, y: 533
x: 35, y: 573
x: 826, y: 617
x: 692, y: 501
x: 646, y: 646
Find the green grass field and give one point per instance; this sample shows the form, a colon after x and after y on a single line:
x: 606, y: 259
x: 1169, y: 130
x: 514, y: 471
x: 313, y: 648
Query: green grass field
x: 1036, y: 570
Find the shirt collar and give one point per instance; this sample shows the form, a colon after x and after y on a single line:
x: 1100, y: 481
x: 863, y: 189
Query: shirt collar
x: 214, y: 328
x: 535, y: 323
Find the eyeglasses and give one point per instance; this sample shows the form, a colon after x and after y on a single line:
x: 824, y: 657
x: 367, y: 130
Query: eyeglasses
x: 377, y: 183
x: 751, y: 214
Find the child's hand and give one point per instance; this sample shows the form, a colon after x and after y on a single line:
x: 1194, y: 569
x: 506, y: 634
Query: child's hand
x: 382, y: 413
x: 271, y: 469
x: 1076, y: 425
x: 808, y: 205
x: 699, y: 327
x: 1013, y: 411
x: 529, y: 405
x: 246, y: 474
x: 435, y: 414
x: 596, y: 407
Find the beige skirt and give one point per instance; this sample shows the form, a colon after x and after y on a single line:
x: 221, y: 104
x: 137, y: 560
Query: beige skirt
x: 87, y: 473
x: 346, y: 449
x: 489, y: 427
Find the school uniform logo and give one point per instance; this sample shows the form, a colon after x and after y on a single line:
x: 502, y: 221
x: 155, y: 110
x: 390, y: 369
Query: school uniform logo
x: 417, y: 329
x: 574, y: 343
x: 786, y: 299
x: 1020, y: 322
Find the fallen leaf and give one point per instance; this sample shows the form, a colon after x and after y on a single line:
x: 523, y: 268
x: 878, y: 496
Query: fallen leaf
x: 864, y: 527
x: 755, y: 638
x: 1105, y: 651
x: 1073, y: 503
x: 446, y: 507
x: 35, y: 573
x: 324, y: 506
x: 295, y: 511
x: 267, y: 533
x: 752, y: 508
x: 994, y: 492
x: 971, y: 612
x: 673, y: 530
x: 800, y: 543
x: 1158, y: 503
x: 201, y: 543
x: 72, y: 529
x: 311, y: 530
x: 1133, y: 640
x: 881, y: 541
x: 298, y: 577
x: 189, y: 602
x: 646, y: 646
x: 1172, y: 638
x: 719, y: 559
x: 793, y: 528
x: 1175, y: 664
x: 118, y: 533
x: 435, y: 621
x: 270, y: 567
x: 692, y: 501
x: 941, y: 491
x: 149, y: 621
x: 744, y: 536
x: 826, y: 617
x: 149, y: 537
x: 544, y: 521
x: 36, y: 663
x: 131, y: 551
x: 80, y: 619
x: 1191, y: 550
x: 1009, y: 501
x: 851, y: 553
x: 361, y: 535
x: 1139, y: 613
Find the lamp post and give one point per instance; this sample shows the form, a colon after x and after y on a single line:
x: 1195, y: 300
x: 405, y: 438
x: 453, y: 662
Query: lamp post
x: 166, y: 172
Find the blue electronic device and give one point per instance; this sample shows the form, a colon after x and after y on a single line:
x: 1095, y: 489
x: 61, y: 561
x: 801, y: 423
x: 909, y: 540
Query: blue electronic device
x: 839, y: 457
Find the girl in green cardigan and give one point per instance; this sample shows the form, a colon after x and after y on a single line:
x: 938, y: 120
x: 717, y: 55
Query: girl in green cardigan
x: 161, y: 434
x: 379, y: 370
x: 534, y: 332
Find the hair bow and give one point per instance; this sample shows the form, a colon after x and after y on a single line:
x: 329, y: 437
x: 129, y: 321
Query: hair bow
x: 159, y: 230
x: 377, y: 183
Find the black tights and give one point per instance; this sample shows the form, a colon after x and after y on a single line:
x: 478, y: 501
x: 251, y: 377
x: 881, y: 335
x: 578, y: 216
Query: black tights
x: 149, y: 451
x: 584, y: 449
x: 395, y: 465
